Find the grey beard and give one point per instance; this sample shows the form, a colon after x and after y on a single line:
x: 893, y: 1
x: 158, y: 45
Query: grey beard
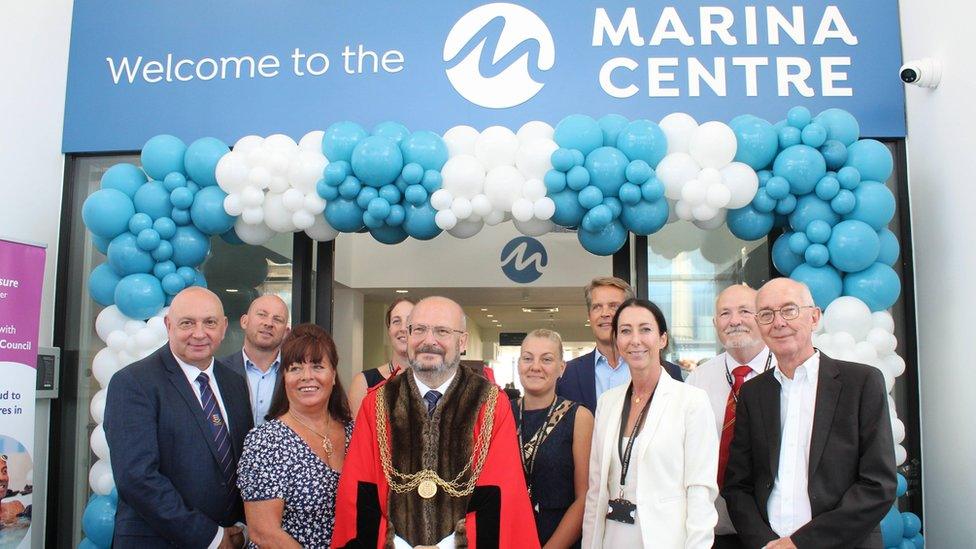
x: 435, y: 376
x: 743, y: 344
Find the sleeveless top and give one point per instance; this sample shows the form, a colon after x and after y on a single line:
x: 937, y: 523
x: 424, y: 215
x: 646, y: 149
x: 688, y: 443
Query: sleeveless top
x: 374, y: 376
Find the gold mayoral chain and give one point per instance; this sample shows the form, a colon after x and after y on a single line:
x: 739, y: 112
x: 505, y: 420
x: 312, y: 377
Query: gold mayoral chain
x: 425, y: 482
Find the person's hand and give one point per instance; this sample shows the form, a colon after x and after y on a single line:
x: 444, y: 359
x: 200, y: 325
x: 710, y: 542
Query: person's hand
x: 233, y: 538
x: 781, y: 543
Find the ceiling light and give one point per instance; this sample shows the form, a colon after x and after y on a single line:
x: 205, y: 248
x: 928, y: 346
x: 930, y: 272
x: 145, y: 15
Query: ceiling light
x: 231, y: 290
x: 494, y: 320
x: 540, y: 309
x: 490, y: 316
x: 403, y: 291
x: 484, y: 308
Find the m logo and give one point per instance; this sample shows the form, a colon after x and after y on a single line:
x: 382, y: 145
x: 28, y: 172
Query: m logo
x: 523, y: 259
x: 496, y: 53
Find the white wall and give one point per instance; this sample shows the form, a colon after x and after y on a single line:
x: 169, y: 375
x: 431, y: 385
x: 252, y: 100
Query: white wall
x: 941, y: 139
x: 34, y: 63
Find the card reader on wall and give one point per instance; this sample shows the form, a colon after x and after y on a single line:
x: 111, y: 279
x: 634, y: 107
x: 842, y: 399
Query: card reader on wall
x: 48, y: 370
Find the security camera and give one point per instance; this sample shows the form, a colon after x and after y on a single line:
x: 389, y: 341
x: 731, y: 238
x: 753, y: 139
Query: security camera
x: 925, y: 72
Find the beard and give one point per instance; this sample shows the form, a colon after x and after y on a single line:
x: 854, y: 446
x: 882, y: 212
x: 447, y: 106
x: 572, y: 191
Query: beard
x: 741, y: 340
x: 442, y: 366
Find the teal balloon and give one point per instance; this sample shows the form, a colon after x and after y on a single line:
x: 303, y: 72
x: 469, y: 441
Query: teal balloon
x: 106, y: 212
x: 816, y: 255
x: 172, y: 283
x: 365, y: 195
x: 101, y: 284
x: 344, y: 215
x: 809, y: 208
x: 568, y: 211
x: 390, y: 193
x: 412, y: 173
x: 590, y: 196
x: 802, y: 166
x: 834, y: 153
x: 123, y: 177
x: 643, y: 140
x: 786, y: 205
x: 432, y: 180
x: 100, y: 243
x: 336, y: 172
x: 785, y: 259
x: 871, y: 158
x: 190, y: 246
x: 378, y: 208
x: 875, y: 204
x: 180, y: 216
x: 419, y: 222
x: 912, y: 525
x: 749, y: 224
x: 164, y: 251
x: 139, y: 296
x: 580, y: 132
x: 371, y: 222
x: 762, y: 202
x: 181, y: 197
x: 377, y: 161
x: 818, y: 231
x: 562, y: 160
x: 392, y: 130
x: 578, y: 157
x: 630, y: 194
x: 849, y: 177
x: 777, y: 187
x: 644, y: 217
x: 188, y: 274
x: 615, y: 205
x: 577, y: 177
x: 389, y: 235
x: 756, y: 139
x: 827, y: 188
x: 889, y: 247
x: 814, y: 135
x: 163, y: 268
x: 326, y: 191
x: 425, y: 148
x: 843, y: 203
x: 207, y: 212
x: 200, y: 160
x: 397, y: 215
x: 161, y: 155
x: 824, y: 282
x: 799, y: 242
x: 902, y: 487
x: 555, y: 181
x: 350, y: 187
x: 415, y: 195
x: 638, y: 172
x: 789, y: 136
x: 148, y: 239
x: 612, y: 125
x: 840, y: 125
x: 153, y: 199
x: 98, y: 520
x: 87, y: 544
x: 597, y: 218
x: 605, y: 241
x: 608, y: 169
x: 652, y: 190
x: 892, y: 528
x: 853, y: 245
x: 798, y: 117
x: 139, y: 222
x: 340, y: 139
x: 126, y: 257
x: 878, y: 286
x: 918, y: 542
x: 231, y: 238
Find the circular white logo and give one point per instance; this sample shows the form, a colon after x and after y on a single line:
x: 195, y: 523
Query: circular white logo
x: 496, y: 53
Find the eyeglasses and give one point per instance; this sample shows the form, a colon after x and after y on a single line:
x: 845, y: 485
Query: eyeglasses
x: 440, y: 332
x: 789, y: 312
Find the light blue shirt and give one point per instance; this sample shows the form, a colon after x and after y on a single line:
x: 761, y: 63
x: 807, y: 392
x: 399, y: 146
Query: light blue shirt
x: 261, y: 386
x: 606, y: 377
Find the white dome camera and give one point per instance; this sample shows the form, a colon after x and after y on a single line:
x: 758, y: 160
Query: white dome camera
x: 925, y: 72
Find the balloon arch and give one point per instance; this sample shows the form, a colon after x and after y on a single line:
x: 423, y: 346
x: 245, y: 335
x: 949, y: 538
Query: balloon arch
x: 810, y: 175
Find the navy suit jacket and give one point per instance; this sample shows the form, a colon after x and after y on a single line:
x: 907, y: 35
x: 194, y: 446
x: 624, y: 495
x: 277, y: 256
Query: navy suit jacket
x: 235, y: 361
x: 579, y: 380
x: 164, y: 460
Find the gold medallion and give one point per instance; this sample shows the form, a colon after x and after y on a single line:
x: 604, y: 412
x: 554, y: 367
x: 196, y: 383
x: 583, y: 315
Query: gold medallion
x: 427, y: 489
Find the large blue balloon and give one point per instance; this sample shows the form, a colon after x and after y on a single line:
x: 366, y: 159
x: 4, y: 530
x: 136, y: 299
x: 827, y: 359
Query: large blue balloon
x: 802, y: 166
x: 87, y: 544
x: 190, y: 246
x: 139, y: 296
x: 810, y: 208
x: 123, y: 177
x: 207, y: 211
x: 757, y: 141
x: 578, y: 131
x: 101, y: 284
x: 853, y: 246
x: 163, y: 154
x: 101, y: 243
x: 98, y: 521
x: 612, y: 124
x: 871, y: 158
x: 877, y: 286
x: 106, y: 212
x: 892, y: 528
x: 840, y: 124
x: 425, y: 148
x: 568, y: 212
x: 126, y: 257
x: 888, y: 254
x: 913, y: 525
x: 344, y: 215
x: 377, y: 161
x: 643, y: 140
x: 200, y: 160
x: 389, y: 235
x: 394, y: 130
x: 784, y: 259
x: 605, y: 241
x: 340, y: 139
x: 419, y: 222
x: 824, y: 282
x: 608, y: 169
x: 645, y: 217
x: 875, y: 204
x: 153, y: 199
x: 749, y: 224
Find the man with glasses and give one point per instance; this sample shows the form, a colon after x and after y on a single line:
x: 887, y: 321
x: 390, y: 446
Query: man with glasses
x: 10, y: 510
x: 434, y: 460
x: 812, y: 461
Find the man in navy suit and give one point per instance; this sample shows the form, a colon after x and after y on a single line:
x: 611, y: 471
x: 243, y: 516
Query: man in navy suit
x: 175, y: 423
x: 588, y: 376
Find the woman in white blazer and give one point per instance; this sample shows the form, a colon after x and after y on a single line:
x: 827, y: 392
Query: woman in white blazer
x: 667, y: 497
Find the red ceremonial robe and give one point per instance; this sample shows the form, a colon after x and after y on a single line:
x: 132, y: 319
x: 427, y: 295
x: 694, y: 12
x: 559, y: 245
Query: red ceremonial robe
x: 497, y: 515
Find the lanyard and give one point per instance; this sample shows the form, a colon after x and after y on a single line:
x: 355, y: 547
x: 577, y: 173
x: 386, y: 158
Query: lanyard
x: 528, y: 466
x: 624, y: 454
x: 728, y: 376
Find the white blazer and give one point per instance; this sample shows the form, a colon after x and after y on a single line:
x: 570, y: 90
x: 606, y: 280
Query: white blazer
x: 678, y: 458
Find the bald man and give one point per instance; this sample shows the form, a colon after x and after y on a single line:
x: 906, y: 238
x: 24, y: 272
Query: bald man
x: 175, y: 423
x: 812, y: 461
x: 411, y: 477
x: 265, y: 326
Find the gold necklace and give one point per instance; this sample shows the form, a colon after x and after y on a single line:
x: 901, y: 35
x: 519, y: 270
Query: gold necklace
x: 326, y: 443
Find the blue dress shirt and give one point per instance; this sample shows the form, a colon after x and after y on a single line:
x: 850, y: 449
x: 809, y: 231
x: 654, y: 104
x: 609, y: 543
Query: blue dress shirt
x: 261, y: 386
x: 606, y: 377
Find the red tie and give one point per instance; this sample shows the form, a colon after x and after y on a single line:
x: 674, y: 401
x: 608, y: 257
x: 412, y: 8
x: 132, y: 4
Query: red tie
x: 728, y: 426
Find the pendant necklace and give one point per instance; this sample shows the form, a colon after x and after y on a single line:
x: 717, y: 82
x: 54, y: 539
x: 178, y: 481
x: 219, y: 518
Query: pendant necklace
x: 326, y: 443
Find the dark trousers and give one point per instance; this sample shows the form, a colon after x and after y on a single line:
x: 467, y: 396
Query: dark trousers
x: 728, y: 541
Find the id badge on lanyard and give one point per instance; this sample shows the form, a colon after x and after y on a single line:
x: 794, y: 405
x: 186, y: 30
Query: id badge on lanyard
x: 621, y: 509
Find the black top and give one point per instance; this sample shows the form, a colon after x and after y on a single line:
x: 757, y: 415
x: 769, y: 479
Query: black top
x: 373, y: 377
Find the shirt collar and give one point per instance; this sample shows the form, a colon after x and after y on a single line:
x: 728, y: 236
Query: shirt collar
x: 192, y: 372
x: 598, y: 356
x: 424, y: 388
x: 808, y: 370
x: 758, y: 362
x: 248, y: 363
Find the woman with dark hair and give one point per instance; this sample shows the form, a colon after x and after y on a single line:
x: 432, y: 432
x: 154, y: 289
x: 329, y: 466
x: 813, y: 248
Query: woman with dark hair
x: 289, y: 471
x: 655, y: 452
x: 396, y: 329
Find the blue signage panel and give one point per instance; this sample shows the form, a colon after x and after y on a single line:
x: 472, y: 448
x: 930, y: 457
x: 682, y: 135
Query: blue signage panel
x: 231, y: 68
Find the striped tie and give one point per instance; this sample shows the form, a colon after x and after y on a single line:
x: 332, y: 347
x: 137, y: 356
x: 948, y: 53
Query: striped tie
x: 728, y: 427
x: 218, y: 426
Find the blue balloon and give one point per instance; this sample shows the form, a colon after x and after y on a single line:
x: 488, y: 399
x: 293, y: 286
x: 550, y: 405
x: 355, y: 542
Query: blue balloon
x: 597, y: 218
x: 918, y: 542
x: 824, y: 282
x: 231, y: 237
x: 562, y: 160
x: 378, y: 208
x: 164, y: 251
x: 208, y: 212
x: 645, y: 217
x: 98, y: 521
x: 365, y: 195
x: 377, y: 161
x: 580, y: 132
x: 762, y: 202
x: 192, y: 186
x: 816, y: 255
x: 840, y: 125
x: 849, y: 177
x: 415, y: 195
x: 615, y: 205
x: 161, y: 155
x: 652, y: 190
x: 555, y: 181
x: 350, y: 187
x: 181, y: 197
x: 777, y: 187
x: 153, y: 199
x: 340, y: 139
x: 871, y: 158
x: 638, y: 172
x: 577, y: 177
x: 853, y: 245
x: 164, y: 268
x: 87, y: 544
x: 606, y: 241
x: 106, y: 212
x: 814, y: 135
x: 139, y: 222
x: 412, y: 173
x: 190, y: 246
x: 630, y: 194
x: 799, y: 242
x: 643, y: 140
x: 892, y: 528
x: 180, y: 216
x: 390, y: 193
x: 201, y: 280
x: 818, y: 231
x: 100, y: 243
x: 612, y: 124
x: 798, y: 117
x: 902, y: 487
x: 608, y: 169
x: 877, y: 286
x: 188, y: 274
x: 578, y: 157
x: 834, y: 153
x: 590, y: 196
x: 802, y: 166
x: 344, y: 215
x: 786, y: 205
x: 148, y: 239
x: 810, y: 207
x: 749, y: 224
x: 419, y: 222
x: 844, y: 202
x: 827, y: 188
x: 432, y: 180
x: 371, y: 222
x: 173, y: 283
x: 757, y: 141
x: 875, y: 204
x: 389, y: 235
x: 101, y: 284
x: 397, y: 215
x: 784, y: 259
x: 123, y: 177
x: 789, y: 136
x: 392, y: 130
x: 568, y: 212
x: 126, y: 257
x: 139, y: 296
x: 425, y: 148
x: 889, y: 247
x: 326, y: 191
x: 336, y: 172
x: 200, y: 160
x: 912, y: 525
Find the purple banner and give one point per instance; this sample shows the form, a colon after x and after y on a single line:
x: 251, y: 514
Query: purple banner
x: 21, y: 280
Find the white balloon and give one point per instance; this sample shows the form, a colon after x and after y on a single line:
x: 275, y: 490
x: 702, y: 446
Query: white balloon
x: 232, y: 205
x: 441, y: 199
x: 717, y: 195
x: 464, y: 175
x: 843, y: 341
x: 321, y: 231
x: 884, y: 342
x: 703, y: 212
x: 496, y: 146
x: 302, y: 220
x: 313, y: 203
x: 100, y: 477
x: 108, y: 321
x: 312, y: 141
x: 146, y: 338
x: 278, y: 184
x: 715, y: 222
x: 445, y: 219
x: 900, y: 454
x: 116, y: 340
x: 254, y: 235
x: 461, y: 208
x: 248, y: 143
x: 253, y: 216
x: 466, y: 228
x: 897, y: 430
x: 894, y: 364
x: 534, y: 227
x: 883, y: 320
x: 132, y: 346
x: 678, y: 127
x: 258, y: 177
x: 848, y: 314
x: 534, y: 189
x: 104, y: 365
x: 460, y: 140
x: 866, y: 353
x: 259, y: 157
x: 132, y: 327
x: 494, y: 218
x: 279, y: 141
x: 674, y: 170
x: 97, y: 406
x: 544, y: 208
x: 278, y: 163
x: 713, y: 145
x: 251, y: 197
x: 536, y: 129
x: 481, y: 205
x: 683, y: 210
x: 98, y: 443
x: 742, y: 181
x: 533, y: 157
x: 125, y: 359
x: 293, y: 200
x: 158, y: 326
x: 276, y: 215
x: 503, y: 185
x: 522, y: 209
x: 306, y: 170
x: 232, y: 172
x: 693, y: 192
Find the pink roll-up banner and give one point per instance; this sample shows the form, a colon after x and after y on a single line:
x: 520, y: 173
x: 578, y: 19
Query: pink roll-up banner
x: 21, y: 282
